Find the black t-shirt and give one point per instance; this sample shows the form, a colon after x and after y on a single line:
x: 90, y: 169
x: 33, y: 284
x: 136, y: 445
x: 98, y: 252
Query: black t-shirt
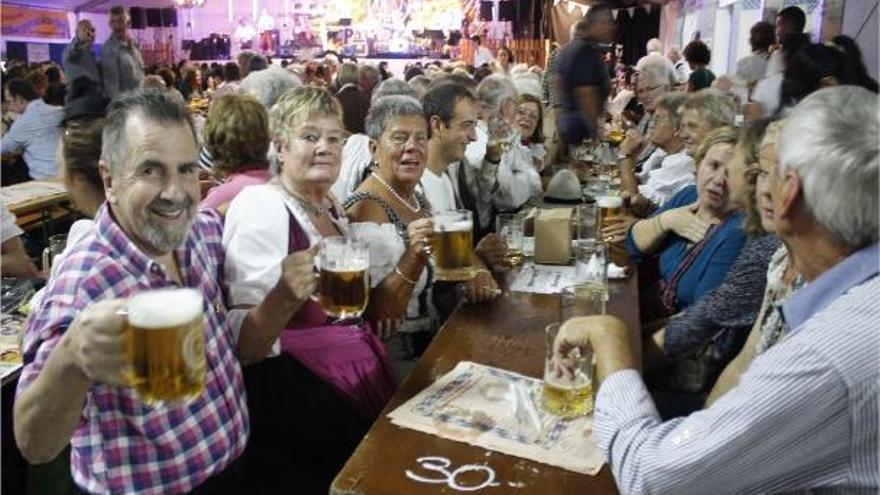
x: 580, y: 65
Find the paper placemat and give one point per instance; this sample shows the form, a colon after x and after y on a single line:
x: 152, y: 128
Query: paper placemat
x: 497, y: 410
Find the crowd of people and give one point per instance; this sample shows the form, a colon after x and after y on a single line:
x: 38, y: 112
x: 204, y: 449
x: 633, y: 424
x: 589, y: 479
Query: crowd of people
x: 751, y: 212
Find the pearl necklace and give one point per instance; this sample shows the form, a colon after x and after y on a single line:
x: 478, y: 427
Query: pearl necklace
x: 408, y: 204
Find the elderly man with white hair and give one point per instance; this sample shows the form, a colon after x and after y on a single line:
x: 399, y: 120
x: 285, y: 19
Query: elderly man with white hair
x: 804, y: 416
x: 500, y: 173
x: 655, y: 78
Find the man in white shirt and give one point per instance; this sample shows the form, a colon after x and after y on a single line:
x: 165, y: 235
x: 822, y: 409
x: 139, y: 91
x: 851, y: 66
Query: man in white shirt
x: 668, y: 170
x: 503, y: 174
x: 803, y: 417
x: 451, y: 112
x: 36, y: 132
x: 681, y: 67
x: 482, y: 55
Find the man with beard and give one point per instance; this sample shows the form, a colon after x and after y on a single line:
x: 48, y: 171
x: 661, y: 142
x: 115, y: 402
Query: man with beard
x: 146, y: 236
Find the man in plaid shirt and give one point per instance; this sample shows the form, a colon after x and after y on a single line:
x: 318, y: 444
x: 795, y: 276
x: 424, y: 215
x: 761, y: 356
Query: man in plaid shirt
x: 146, y: 236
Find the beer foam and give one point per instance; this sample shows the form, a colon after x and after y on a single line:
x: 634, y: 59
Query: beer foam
x: 609, y: 201
x: 164, y: 308
x: 456, y: 226
x: 353, y: 265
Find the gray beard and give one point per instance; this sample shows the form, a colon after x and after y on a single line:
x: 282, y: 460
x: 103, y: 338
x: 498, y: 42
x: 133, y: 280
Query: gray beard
x: 164, y: 239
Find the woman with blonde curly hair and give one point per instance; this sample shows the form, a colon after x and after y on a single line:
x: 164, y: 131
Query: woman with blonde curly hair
x: 237, y: 136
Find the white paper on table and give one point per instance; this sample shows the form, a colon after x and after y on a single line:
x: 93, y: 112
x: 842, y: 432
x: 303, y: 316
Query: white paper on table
x: 497, y: 410
x: 543, y: 279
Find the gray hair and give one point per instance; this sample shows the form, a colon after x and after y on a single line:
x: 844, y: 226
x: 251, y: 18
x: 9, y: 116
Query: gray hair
x: 715, y: 107
x: 269, y: 84
x: 494, y: 90
x: 369, y: 72
x: 830, y: 141
x: 420, y: 85
x: 657, y: 69
x: 388, y: 107
x: 671, y: 102
x: 152, y: 104
x: 393, y: 86
x: 348, y: 73
x: 654, y: 45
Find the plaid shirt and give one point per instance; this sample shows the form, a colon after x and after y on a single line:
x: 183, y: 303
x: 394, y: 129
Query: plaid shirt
x: 122, y: 445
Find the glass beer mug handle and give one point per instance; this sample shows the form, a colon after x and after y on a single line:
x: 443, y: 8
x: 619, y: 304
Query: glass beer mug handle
x: 47, y: 259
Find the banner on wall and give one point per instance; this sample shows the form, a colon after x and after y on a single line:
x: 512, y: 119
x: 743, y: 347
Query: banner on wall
x: 33, y: 23
x: 37, y: 52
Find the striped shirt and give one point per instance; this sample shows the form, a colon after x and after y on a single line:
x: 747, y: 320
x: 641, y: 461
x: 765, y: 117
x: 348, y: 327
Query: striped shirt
x: 122, y: 445
x: 803, y: 417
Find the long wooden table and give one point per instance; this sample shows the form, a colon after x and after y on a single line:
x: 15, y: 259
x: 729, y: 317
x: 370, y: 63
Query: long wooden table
x: 507, y: 333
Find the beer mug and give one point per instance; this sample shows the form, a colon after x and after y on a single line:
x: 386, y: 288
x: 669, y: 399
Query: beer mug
x: 610, y: 212
x: 564, y: 395
x: 166, y: 345
x: 510, y: 227
x: 343, y: 277
x: 453, y: 246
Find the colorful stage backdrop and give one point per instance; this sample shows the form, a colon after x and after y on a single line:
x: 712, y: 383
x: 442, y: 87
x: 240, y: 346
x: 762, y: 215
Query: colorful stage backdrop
x: 33, y: 23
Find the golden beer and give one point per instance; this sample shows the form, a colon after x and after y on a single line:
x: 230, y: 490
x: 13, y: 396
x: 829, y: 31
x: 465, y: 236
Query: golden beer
x: 610, y: 212
x: 166, y: 347
x: 343, y: 293
x: 510, y: 227
x: 569, y: 394
x: 568, y: 399
x: 343, y: 277
x: 453, y: 246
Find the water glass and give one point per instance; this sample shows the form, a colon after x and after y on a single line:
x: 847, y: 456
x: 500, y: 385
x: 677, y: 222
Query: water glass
x: 510, y: 227
x: 585, y: 222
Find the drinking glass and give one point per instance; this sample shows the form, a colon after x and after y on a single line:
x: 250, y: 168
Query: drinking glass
x: 567, y: 394
x: 510, y: 227
x: 343, y: 277
x: 591, y: 273
x: 585, y: 222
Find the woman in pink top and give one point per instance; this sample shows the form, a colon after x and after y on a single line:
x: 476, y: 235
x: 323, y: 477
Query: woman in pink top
x: 237, y: 136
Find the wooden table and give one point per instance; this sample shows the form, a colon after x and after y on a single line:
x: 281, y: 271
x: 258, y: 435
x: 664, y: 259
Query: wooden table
x: 37, y: 203
x: 507, y: 333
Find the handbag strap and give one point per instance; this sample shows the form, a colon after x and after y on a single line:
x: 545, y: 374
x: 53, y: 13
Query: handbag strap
x: 669, y: 289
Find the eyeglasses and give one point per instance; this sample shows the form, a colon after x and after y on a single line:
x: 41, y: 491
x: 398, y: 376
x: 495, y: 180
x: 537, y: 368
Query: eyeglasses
x: 332, y: 139
x: 521, y: 112
x: 399, y: 139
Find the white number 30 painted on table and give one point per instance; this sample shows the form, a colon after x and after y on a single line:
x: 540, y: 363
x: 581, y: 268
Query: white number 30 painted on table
x: 440, y: 465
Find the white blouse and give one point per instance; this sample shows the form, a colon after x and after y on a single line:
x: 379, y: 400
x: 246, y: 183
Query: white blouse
x: 386, y: 248
x: 255, y: 238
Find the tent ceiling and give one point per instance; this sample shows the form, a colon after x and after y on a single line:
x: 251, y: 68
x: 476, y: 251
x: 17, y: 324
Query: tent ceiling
x: 101, y: 6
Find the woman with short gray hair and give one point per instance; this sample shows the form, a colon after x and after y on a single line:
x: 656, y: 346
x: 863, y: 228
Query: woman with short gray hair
x: 394, y: 219
x: 356, y: 155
